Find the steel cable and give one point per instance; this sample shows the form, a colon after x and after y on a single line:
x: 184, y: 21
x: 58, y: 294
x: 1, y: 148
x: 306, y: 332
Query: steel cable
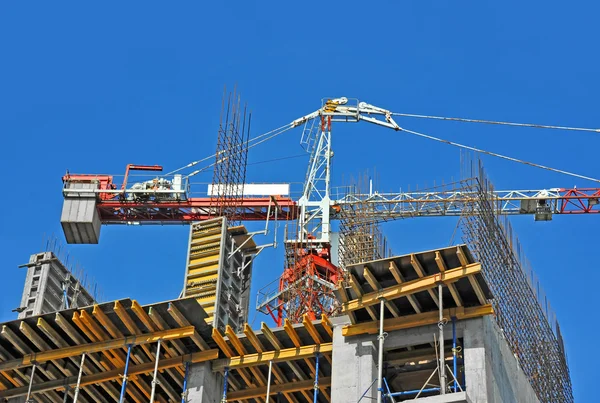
x: 494, y: 122
x: 493, y: 154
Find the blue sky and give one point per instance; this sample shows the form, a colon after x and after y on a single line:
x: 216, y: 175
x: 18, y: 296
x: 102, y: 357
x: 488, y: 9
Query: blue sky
x: 92, y: 88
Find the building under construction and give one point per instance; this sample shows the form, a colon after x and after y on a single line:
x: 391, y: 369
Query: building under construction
x: 347, y: 321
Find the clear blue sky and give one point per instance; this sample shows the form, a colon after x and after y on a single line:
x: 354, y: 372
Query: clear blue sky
x: 92, y: 88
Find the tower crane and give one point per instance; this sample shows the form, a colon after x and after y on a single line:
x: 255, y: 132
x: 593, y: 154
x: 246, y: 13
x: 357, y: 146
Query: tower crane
x: 167, y: 200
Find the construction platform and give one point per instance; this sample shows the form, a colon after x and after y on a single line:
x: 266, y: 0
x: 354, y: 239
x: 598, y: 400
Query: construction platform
x: 327, y: 360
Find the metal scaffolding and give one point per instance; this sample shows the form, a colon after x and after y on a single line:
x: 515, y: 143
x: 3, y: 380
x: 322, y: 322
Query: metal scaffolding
x: 229, y: 176
x: 360, y: 237
x: 521, y: 308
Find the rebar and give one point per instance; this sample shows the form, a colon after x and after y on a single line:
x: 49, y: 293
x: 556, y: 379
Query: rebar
x: 231, y: 159
x: 521, y: 310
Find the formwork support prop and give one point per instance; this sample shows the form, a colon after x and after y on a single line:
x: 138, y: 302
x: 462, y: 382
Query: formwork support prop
x: 185, y: 380
x: 442, y: 363
x: 28, y: 398
x: 454, y: 357
x: 225, y: 379
x: 316, y: 393
x: 269, y: 382
x: 77, y: 387
x: 124, y: 384
x: 154, y: 380
x: 381, y: 339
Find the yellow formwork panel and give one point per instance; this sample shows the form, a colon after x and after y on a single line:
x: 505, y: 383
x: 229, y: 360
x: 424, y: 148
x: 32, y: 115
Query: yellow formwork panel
x: 201, y: 286
x: 212, y: 259
x: 206, y: 274
x: 197, y: 253
x: 202, y: 274
x: 204, y: 240
x: 208, y: 241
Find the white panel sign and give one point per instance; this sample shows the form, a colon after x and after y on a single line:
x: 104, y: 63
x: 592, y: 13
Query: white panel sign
x: 252, y: 189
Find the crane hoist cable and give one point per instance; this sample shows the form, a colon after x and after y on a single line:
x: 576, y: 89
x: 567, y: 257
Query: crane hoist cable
x: 274, y: 134
x: 493, y: 154
x: 253, y: 142
x: 494, y: 122
x: 277, y: 132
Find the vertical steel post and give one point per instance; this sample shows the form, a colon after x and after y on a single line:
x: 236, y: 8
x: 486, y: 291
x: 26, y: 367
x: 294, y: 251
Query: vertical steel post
x: 185, y: 380
x: 76, y: 395
x: 124, y: 385
x: 154, y: 382
x: 66, y: 396
x: 381, y: 338
x: 441, y: 338
x: 27, y: 400
x: 316, y: 393
x: 226, y: 376
x: 269, y: 382
x: 454, y: 358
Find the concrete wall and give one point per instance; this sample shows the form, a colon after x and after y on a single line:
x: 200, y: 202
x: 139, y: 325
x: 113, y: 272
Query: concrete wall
x: 355, y: 366
x: 492, y: 372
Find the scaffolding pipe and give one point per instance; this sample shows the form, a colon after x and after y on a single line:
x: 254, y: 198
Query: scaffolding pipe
x: 454, y: 358
x: 457, y: 383
x: 389, y: 392
x: 412, y: 392
x: 30, y: 383
x: 124, y: 385
x: 442, y: 363
x: 185, y: 380
x: 154, y: 382
x: 224, y: 399
x: 367, y: 391
x: 269, y: 381
x: 76, y: 395
x: 66, y: 396
x: 381, y: 338
x: 66, y: 298
x: 316, y: 393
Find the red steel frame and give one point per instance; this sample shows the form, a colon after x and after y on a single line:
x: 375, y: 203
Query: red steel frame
x: 115, y: 210
x: 577, y: 201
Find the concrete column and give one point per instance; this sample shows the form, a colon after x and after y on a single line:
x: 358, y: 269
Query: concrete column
x: 474, y: 355
x: 354, y: 365
x: 204, y: 386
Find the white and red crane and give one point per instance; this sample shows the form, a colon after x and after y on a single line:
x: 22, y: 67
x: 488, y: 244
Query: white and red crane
x: 94, y: 200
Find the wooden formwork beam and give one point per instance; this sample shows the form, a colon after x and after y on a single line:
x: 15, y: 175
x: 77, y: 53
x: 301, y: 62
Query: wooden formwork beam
x: 411, y: 287
x: 416, y: 320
